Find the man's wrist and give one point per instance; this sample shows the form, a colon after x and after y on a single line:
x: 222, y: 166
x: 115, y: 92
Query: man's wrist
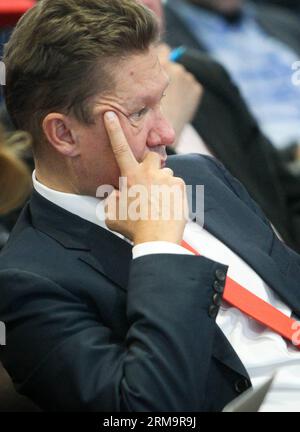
x: 158, y: 247
x: 157, y: 238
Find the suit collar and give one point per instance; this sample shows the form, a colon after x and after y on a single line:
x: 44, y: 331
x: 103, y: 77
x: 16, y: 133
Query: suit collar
x: 102, y: 250
x: 89, y: 208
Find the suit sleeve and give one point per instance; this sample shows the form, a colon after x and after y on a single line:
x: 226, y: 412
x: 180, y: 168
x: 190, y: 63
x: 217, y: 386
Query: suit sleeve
x: 68, y: 360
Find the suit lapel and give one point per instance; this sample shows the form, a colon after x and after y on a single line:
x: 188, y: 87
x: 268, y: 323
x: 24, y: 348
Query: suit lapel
x: 97, y: 247
x: 109, y: 255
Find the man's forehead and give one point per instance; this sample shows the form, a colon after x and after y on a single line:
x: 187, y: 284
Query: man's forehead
x: 141, y: 76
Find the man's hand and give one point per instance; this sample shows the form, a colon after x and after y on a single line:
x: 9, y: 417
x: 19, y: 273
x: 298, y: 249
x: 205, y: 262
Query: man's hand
x: 184, y: 94
x: 137, y: 211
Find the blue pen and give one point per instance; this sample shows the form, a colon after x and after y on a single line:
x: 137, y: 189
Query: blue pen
x: 177, y: 53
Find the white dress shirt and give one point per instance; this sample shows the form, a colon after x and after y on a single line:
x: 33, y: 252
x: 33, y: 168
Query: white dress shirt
x: 191, y: 142
x: 262, y: 351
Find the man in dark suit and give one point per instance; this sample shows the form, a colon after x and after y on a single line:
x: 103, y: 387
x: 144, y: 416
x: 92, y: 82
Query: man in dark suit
x: 292, y: 5
x: 110, y: 313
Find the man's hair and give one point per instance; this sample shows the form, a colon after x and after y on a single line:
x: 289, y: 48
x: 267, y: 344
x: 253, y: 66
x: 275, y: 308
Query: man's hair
x: 59, y: 53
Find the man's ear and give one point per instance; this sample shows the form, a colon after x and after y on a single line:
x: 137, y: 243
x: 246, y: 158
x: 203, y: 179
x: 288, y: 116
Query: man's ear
x: 59, y: 132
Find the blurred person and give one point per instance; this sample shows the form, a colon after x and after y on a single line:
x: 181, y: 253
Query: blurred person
x: 10, y: 13
x: 258, y: 45
x: 15, y: 180
x: 217, y: 122
x: 105, y: 313
x: 292, y: 5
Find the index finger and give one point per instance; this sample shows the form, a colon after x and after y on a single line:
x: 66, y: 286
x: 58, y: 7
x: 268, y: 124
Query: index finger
x: 121, y: 149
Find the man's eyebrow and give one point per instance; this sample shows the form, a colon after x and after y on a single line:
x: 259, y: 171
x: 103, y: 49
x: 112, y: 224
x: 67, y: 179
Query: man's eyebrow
x: 146, y: 98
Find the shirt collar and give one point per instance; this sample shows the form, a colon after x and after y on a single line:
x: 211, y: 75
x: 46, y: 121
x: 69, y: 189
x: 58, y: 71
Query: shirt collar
x: 87, y: 207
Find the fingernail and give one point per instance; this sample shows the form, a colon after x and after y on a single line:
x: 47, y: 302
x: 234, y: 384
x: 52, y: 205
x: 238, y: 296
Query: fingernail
x: 111, y: 116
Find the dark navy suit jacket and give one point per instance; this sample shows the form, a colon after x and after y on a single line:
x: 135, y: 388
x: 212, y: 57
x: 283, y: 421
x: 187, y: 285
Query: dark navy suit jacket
x: 88, y: 328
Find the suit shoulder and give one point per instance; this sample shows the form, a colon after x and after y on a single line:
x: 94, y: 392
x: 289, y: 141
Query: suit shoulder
x: 202, y: 170
x: 32, y: 251
x: 208, y: 171
x: 206, y: 167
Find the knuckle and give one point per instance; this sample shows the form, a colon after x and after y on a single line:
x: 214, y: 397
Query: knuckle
x: 179, y: 181
x: 119, y: 149
x: 168, y: 172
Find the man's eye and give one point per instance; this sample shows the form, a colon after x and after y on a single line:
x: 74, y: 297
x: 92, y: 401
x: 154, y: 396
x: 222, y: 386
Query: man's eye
x: 138, y: 115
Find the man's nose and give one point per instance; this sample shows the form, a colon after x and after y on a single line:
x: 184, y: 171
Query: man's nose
x: 162, y: 134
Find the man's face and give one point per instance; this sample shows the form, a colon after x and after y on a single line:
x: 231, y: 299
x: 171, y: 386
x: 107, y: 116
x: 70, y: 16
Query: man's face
x: 136, y: 98
x: 223, y: 6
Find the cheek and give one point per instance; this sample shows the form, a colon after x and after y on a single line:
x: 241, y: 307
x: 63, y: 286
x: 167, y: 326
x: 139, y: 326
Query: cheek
x: 95, y: 147
x: 138, y: 147
x: 136, y: 138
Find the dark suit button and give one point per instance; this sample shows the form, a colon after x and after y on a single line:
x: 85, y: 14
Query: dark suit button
x: 220, y: 275
x: 242, y: 385
x: 213, y: 311
x: 217, y: 299
x: 218, y: 287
